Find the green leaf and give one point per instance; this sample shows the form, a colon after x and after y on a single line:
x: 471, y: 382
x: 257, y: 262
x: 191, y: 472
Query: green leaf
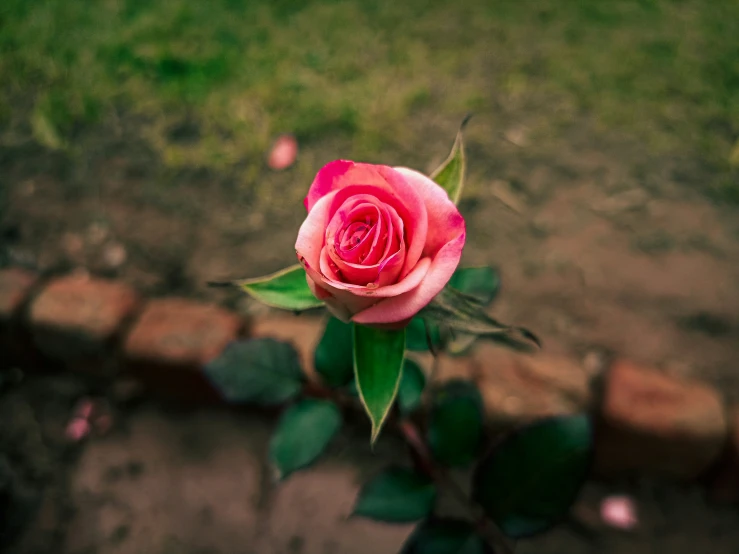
x: 466, y: 315
x: 460, y: 344
x: 287, y: 289
x: 411, y: 387
x: 333, y: 358
x: 260, y: 371
x: 456, y: 423
x: 304, y: 431
x: 397, y: 495
x: 529, y: 482
x: 378, y: 364
x: 445, y: 536
x: 417, y: 335
x: 450, y: 174
x: 481, y: 283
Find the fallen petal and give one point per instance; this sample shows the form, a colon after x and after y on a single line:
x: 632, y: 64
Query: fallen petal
x: 84, y: 409
x: 619, y: 512
x: 77, y: 429
x: 284, y: 152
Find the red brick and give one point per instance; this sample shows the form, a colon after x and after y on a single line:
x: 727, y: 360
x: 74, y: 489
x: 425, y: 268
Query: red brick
x: 657, y: 424
x: 78, y: 320
x: 172, y: 341
x: 16, y: 288
x: 518, y: 388
x: 724, y: 485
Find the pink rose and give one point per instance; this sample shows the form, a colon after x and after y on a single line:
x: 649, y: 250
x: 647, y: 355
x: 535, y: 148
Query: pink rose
x: 379, y: 242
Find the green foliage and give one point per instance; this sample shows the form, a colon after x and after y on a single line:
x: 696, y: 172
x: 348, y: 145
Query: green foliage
x: 287, y: 289
x: 397, y: 495
x: 465, y: 315
x: 450, y: 174
x: 412, y: 383
x: 334, y: 358
x: 419, y: 333
x: 445, y: 536
x: 529, y: 482
x: 481, y: 283
x: 456, y: 423
x: 378, y: 365
x: 302, y: 434
x: 260, y: 371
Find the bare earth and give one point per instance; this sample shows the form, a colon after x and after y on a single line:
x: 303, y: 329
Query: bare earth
x: 590, y: 256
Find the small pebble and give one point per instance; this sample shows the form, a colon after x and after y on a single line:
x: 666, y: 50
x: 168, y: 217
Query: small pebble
x: 72, y: 244
x: 114, y: 255
x: 103, y: 424
x: 126, y: 391
x: 97, y: 233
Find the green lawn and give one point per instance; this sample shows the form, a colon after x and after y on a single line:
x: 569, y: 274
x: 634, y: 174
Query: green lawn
x: 233, y: 73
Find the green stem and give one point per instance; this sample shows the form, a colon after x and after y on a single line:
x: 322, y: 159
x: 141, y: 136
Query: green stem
x: 486, y: 528
x: 484, y: 525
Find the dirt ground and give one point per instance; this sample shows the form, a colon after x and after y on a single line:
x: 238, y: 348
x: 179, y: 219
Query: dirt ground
x: 167, y: 481
x: 590, y: 256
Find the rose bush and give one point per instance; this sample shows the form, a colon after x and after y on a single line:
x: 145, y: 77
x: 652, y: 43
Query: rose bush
x: 378, y: 242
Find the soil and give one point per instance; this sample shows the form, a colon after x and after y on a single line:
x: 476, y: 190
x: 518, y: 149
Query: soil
x: 591, y: 254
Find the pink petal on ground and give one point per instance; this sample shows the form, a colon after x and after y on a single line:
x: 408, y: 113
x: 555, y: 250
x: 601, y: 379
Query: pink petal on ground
x: 284, y: 152
x: 619, y: 512
x: 84, y: 409
x: 77, y: 429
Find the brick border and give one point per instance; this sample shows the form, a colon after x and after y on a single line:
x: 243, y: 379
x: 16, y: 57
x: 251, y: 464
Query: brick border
x: 646, y: 422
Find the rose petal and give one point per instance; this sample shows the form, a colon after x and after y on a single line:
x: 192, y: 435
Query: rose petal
x: 398, y: 192
x: 309, y: 243
x: 342, y: 301
x: 443, y: 215
x: 384, y: 261
x: 334, y: 306
x: 404, y: 306
x: 347, y: 291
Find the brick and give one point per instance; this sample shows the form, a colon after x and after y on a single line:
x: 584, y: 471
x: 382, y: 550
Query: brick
x: 171, y: 343
x: 16, y: 288
x: 724, y: 483
x: 78, y: 320
x: 655, y: 424
x: 517, y: 388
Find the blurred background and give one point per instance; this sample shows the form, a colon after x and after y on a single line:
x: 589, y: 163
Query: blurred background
x: 603, y: 167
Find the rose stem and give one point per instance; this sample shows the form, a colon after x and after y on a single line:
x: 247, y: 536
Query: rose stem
x: 487, y: 529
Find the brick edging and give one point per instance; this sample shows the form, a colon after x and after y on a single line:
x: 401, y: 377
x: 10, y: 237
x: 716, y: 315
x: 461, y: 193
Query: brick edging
x: 647, y: 422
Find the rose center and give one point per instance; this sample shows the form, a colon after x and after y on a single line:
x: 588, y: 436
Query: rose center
x: 354, y: 234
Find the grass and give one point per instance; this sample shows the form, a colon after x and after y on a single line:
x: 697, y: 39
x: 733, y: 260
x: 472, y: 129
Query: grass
x: 211, y: 83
